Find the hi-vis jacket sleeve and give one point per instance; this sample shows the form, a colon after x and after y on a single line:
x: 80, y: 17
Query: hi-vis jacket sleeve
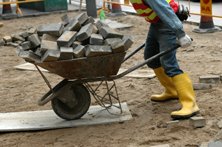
x: 167, y: 15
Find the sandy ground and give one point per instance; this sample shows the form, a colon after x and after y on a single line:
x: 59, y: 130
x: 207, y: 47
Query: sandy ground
x: 20, y: 90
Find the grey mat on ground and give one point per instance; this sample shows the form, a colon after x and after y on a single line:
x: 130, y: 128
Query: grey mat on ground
x: 47, y: 119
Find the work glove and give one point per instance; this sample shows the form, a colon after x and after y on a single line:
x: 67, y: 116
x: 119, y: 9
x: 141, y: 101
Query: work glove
x: 183, y: 13
x: 185, y: 41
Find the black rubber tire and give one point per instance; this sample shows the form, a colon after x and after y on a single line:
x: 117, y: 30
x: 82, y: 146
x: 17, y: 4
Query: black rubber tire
x: 81, y: 106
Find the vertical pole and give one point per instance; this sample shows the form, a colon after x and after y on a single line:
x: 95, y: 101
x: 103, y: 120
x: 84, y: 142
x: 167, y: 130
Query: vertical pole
x: 104, y: 5
x: 80, y: 6
x: 206, y: 8
x: 91, y: 8
x: 206, y: 21
x: 18, y: 10
x: 1, y: 8
x: 6, y: 8
x: 126, y: 2
x: 116, y: 8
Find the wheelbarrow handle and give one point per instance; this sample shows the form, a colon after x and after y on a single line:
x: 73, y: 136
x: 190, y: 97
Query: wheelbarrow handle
x: 144, y: 62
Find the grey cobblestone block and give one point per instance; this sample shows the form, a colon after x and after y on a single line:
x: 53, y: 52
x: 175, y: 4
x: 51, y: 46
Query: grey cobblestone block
x: 13, y: 44
x: 66, y: 53
x: 90, y: 19
x: 74, y: 25
x: 18, y: 49
x: 85, y: 32
x: 2, y: 42
x: 35, y: 40
x: 95, y: 29
x: 65, y: 19
x: 51, y: 55
x: 29, y: 56
x: 26, y: 45
x: 67, y: 39
x: 197, y: 122
x: 48, y: 45
x: 79, y: 51
x: 108, y: 32
x: 55, y: 29
x: 17, y: 37
x: 97, y: 50
x: 76, y: 43
x: 7, y: 39
x: 82, y: 18
x: 85, y: 42
x: 24, y: 34
x: 128, y: 42
x: 18, y: 42
x: 215, y: 144
x: 96, y: 39
x: 39, y: 52
x: 201, y: 86
x: 32, y: 31
x: 118, y: 47
x: 49, y: 37
x: 213, y: 79
x: 204, y: 144
x: 219, y: 124
x: 172, y: 122
x: 100, y: 24
x: 110, y: 41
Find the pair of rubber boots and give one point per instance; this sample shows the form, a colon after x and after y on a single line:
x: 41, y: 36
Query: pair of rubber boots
x: 177, y: 87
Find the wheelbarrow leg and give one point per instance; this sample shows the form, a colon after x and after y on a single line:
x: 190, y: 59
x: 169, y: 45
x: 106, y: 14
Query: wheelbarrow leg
x: 51, y: 93
x: 43, y: 76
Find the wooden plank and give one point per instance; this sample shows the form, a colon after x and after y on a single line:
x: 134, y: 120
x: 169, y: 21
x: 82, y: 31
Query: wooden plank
x: 28, y: 66
x: 47, y: 119
x: 142, y: 73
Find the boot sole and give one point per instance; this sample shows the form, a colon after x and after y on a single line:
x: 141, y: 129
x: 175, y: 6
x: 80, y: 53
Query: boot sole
x: 184, y: 116
x: 170, y: 99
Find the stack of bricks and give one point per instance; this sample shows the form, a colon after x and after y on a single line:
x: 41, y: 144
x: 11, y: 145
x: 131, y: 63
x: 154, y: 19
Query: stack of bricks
x: 73, y: 38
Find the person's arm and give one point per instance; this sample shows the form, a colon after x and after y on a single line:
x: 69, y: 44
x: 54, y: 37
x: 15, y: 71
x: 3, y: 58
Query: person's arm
x: 167, y: 15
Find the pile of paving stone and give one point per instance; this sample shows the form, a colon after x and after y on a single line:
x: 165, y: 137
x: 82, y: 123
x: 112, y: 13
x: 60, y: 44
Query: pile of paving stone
x: 73, y: 38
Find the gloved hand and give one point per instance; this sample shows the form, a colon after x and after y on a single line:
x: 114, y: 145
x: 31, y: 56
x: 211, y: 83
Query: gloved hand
x: 185, y: 41
x: 183, y: 13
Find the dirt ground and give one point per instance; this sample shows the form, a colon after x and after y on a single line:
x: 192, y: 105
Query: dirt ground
x: 20, y: 90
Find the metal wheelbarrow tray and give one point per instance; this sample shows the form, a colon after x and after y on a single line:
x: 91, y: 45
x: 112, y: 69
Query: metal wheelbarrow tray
x: 71, y: 98
x: 86, y: 67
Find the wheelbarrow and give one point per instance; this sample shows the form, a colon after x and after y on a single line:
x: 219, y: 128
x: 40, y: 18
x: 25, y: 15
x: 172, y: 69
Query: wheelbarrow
x: 71, y: 98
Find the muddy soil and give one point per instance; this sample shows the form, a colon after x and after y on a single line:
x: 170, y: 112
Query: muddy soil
x: 20, y: 90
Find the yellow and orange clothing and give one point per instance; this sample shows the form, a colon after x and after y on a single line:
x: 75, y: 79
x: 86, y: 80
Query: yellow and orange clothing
x: 144, y: 9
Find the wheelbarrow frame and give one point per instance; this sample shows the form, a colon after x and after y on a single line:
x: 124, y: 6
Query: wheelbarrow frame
x: 85, y: 81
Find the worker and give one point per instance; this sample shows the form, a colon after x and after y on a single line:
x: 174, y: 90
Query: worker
x: 166, y: 31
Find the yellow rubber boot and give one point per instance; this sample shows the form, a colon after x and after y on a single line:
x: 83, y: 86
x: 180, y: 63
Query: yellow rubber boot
x: 166, y: 81
x: 186, y: 95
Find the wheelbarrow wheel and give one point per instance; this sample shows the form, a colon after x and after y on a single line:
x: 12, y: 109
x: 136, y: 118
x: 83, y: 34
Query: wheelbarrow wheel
x: 71, y: 102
